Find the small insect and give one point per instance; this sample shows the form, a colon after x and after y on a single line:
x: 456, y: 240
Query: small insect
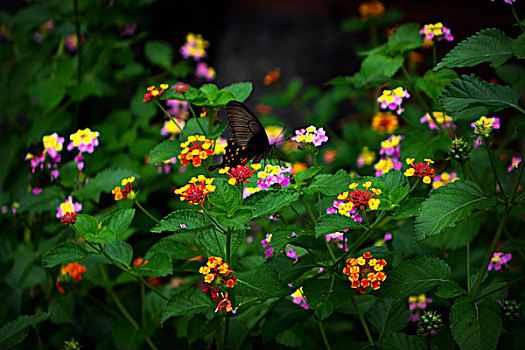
x: 249, y: 137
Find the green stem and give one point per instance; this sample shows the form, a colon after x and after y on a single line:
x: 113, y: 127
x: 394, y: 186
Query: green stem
x: 148, y: 214
x: 171, y: 118
x: 365, y: 235
x: 321, y: 329
x: 330, y: 251
x: 362, y: 320
x: 493, y: 166
x: 218, y: 226
x: 301, y: 217
x: 143, y: 304
x: 194, y: 115
x: 468, y: 254
x: 308, y: 210
x: 79, y: 42
x: 516, y: 17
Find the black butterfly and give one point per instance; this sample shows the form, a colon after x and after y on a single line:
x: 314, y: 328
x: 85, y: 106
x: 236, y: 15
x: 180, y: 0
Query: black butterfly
x: 249, y: 137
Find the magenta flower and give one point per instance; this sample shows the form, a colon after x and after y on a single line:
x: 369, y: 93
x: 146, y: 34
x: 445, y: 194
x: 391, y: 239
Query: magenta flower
x: 334, y: 209
x: 310, y: 135
x: 392, y: 99
x: 438, y: 31
x: 274, y: 175
x: 194, y: 47
x: 129, y: 30
x: 204, y: 71
x: 68, y: 207
x: 299, y: 299
x: 499, y: 260
x: 178, y: 108
x: 416, y: 304
x: 515, y: 162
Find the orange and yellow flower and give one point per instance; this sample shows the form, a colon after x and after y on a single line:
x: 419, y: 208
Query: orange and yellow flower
x: 421, y: 170
x: 195, y: 150
x: 217, y: 274
x: 127, y: 191
x: 385, y: 122
x: 272, y: 76
x: 365, y: 271
x: 359, y: 199
x: 153, y: 92
x: 70, y: 276
x: 196, y: 191
x: 240, y: 173
x: 371, y: 9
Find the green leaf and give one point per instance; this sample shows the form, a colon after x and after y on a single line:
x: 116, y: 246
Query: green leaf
x: 330, y: 185
x: 307, y: 174
x: 173, y: 249
x: 102, y: 236
x: 376, y: 66
x: 266, y: 203
x: 165, y: 150
x: 518, y: 46
x: 488, y: 45
x: 220, y: 99
x: 120, y: 220
x: 433, y: 83
x: 453, y: 238
x: 401, y: 341
x: 449, y: 204
x: 389, y: 315
x: 105, y: 181
x: 86, y: 224
x: 405, y: 38
x: 15, y: 332
x: 63, y: 254
x: 127, y: 337
x: 398, y: 185
x: 190, y: 302
x: 209, y: 90
x: 262, y: 282
x: 214, y: 242
x: 225, y: 196
x: 241, y: 91
x: 189, y: 219
x: 449, y: 290
x: 195, y: 96
x: 409, y: 208
x: 121, y: 252
x: 330, y: 223
x: 512, y: 74
x: 158, y: 265
x: 238, y: 219
x: 474, y: 326
x: 325, y: 295
x: 470, y: 91
x: 159, y: 53
x: 414, y: 277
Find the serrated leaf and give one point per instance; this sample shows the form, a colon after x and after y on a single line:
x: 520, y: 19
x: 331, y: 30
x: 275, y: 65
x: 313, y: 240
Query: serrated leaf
x: 220, y: 99
x: 453, y: 238
x: 405, y: 38
x: 470, y: 91
x: 330, y: 185
x: 209, y: 90
x: 409, y: 208
x: 15, y: 332
x: 474, y: 326
x: 159, y: 53
x: 188, y: 303
x: 330, y: 223
x: 175, y: 250
x: 447, y: 205
x: 241, y: 90
x: 518, y: 46
x: 266, y: 203
x: 158, y: 265
x: 401, y: 341
x: 414, y: 277
x: 325, y: 295
x: 307, y: 173
x: 488, y: 45
x: 165, y: 150
x: 86, y: 224
x: 389, y: 315
x: 121, y: 252
x: 214, y: 242
x: 449, y: 289
x: 63, y: 254
x: 433, y: 83
x: 102, y: 236
x: 120, y: 220
x: 183, y: 220
x: 376, y: 66
x: 398, y: 185
x: 225, y: 196
x: 261, y: 283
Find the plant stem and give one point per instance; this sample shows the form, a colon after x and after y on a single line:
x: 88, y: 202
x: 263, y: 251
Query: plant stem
x: 308, y: 210
x: 79, y: 42
x: 321, y: 329
x: 491, y: 158
x: 364, y: 236
x: 330, y: 251
x: 148, y: 214
x: 143, y: 303
x: 171, y: 118
x: 468, y: 254
x: 516, y: 17
x: 301, y: 217
x: 362, y: 320
x: 194, y: 115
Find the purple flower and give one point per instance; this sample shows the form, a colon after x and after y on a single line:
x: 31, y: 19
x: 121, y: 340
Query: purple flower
x: 499, y: 260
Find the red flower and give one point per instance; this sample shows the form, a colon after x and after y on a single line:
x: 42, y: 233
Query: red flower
x: 365, y: 271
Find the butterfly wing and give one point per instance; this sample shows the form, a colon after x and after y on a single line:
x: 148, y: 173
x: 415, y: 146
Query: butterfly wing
x: 235, y: 155
x: 245, y: 126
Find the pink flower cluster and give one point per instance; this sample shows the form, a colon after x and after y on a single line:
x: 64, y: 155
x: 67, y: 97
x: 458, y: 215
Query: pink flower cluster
x: 288, y: 249
x: 299, y: 299
x: 52, y: 145
x: 334, y: 209
x: 204, y: 71
x: 310, y: 135
x: 338, y: 238
x: 390, y: 153
x: 392, y: 99
x: 438, y: 31
x: 85, y: 141
x: 499, y: 260
x: 272, y: 175
x: 515, y: 162
x: 416, y: 304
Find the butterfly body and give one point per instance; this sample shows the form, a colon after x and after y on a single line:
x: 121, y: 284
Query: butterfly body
x: 249, y: 139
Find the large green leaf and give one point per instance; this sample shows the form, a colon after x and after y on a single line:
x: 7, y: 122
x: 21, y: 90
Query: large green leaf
x: 173, y: 249
x: 159, y: 53
x: 330, y: 185
x: 488, y: 45
x: 182, y: 220
x: 470, y: 91
x: 325, y: 295
x: 63, y: 254
x: 447, y: 205
x: 188, y: 303
x: 158, y: 265
x: 165, y: 150
x: 121, y: 252
x: 214, y: 241
x: 405, y: 38
x: 398, y: 185
x: 120, y: 220
x: 389, y: 315
x: 376, y: 66
x: 241, y: 91
x: 433, y: 83
x: 266, y: 203
x: 15, y: 332
x: 262, y: 282
x: 225, y: 196
x: 414, y: 277
x: 518, y: 46
x: 474, y: 326
x: 331, y: 223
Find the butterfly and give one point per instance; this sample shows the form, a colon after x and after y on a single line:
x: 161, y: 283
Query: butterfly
x: 249, y: 137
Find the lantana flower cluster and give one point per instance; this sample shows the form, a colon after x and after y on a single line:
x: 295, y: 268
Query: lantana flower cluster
x: 195, y: 150
x: 352, y: 213
x: 310, y: 135
x: 366, y: 157
x: 514, y: 163
x: 153, y: 92
x: 416, y: 304
x: 288, y: 249
x: 204, y: 71
x: 443, y: 179
x: 67, y: 211
x: 70, y: 276
x: 240, y: 173
x: 196, y: 191
x: 171, y: 128
x: 443, y: 120
x: 371, y: 9
x: 359, y: 199
x: 436, y: 31
x: 339, y: 239
x: 390, y: 153
x: 385, y: 122
x: 484, y: 127
x: 194, y: 47
x: 299, y: 298
x: 53, y: 145
x: 85, y: 141
x: 365, y: 271
x: 421, y: 170
x: 499, y: 260
x: 127, y: 191
x: 218, y: 275
x: 178, y: 109
x: 272, y: 76
x: 274, y: 175
x: 392, y: 99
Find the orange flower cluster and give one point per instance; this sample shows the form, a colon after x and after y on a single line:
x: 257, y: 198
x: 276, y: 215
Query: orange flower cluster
x: 197, y: 148
x: 385, y: 122
x: 272, y: 76
x: 153, y: 92
x: 217, y: 274
x: 124, y: 193
x: 421, y: 170
x: 365, y: 271
x: 139, y: 262
x: 70, y: 275
x: 196, y: 191
x: 371, y: 9
x: 240, y: 173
